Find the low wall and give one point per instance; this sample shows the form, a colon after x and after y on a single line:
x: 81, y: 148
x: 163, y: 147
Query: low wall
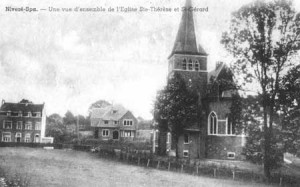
x: 21, y: 144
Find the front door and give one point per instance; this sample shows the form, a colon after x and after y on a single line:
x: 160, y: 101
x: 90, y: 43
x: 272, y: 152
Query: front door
x: 37, y: 138
x: 96, y: 135
x: 115, y: 135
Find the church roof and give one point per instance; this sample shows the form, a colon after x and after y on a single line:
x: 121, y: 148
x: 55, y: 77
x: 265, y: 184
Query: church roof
x: 215, y: 73
x: 185, y: 42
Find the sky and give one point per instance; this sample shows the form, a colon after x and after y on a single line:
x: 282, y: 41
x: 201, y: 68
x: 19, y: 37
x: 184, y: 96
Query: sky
x: 68, y: 60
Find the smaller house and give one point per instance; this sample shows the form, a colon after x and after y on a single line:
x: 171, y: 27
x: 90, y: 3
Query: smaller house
x: 113, y: 122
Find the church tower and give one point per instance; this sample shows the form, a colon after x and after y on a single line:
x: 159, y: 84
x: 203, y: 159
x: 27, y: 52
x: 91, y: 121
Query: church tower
x: 188, y: 59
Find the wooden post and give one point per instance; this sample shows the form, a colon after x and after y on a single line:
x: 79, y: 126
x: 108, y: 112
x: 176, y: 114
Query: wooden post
x: 158, y: 164
x: 148, y: 162
x: 139, y: 161
x: 197, y: 169
x: 233, y: 174
x: 215, y: 172
x: 280, y: 183
x: 169, y: 166
x: 181, y: 168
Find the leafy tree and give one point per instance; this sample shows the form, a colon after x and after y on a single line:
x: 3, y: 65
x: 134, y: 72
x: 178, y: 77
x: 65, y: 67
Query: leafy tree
x: 263, y: 38
x: 175, y: 107
x: 55, y: 128
x: 69, y: 118
x: 289, y: 99
x: 98, y: 104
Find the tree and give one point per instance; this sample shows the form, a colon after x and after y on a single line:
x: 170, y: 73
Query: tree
x: 289, y: 99
x: 263, y: 38
x: 55, y: 128
x: 69, y: 118
x: 98, y: 104
x: 175, y: 107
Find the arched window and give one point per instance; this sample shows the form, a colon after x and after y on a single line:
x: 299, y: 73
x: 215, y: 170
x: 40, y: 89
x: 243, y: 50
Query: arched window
x: 190, y: 64
x: 184, y: 64
x: 197, y: 66
x: 212, y: 123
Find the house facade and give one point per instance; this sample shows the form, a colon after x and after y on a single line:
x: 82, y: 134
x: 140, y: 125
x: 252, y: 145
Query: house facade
x: 213, y: 136
x: 22, y: 122
x: 113, y: 123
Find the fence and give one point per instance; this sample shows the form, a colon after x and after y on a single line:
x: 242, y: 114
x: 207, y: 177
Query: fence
x: 148, y: 160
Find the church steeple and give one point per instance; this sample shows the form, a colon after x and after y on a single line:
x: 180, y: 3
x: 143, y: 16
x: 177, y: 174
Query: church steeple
x: 185, y: 42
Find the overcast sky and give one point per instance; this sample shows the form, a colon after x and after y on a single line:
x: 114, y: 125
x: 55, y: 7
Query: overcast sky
x: 71, y: 59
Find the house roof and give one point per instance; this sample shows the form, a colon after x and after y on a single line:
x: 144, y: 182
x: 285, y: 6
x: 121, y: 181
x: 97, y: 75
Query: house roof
x: 24, y: 107
x: 215, y: 73
x: 185, y: 42
x: 112, y: 112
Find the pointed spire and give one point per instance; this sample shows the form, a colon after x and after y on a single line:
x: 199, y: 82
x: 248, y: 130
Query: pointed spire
x: 185, y: 42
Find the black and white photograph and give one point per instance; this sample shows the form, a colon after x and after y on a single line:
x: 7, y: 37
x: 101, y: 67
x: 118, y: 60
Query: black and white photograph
x: 149, y: 93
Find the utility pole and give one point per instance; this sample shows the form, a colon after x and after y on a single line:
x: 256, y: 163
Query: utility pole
x: 77, y: 128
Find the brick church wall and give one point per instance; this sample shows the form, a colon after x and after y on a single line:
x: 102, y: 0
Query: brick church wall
x: 219, y: 146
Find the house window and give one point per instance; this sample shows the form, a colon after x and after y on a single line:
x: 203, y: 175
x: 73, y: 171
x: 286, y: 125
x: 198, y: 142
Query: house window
x: 19, y: 125
x: 8, y: 113
x: 7, y: 124
x: 27, y: 138
x: 6, y: 137
x: 38, y: 126
x: 186, y: 139
x: 197, y: 67
x: 28, y: 125
x: 20, y: 114
x: 116, y: 122
x: 29, y: 114
x: 231, y: 155
x: 212, y: 123
x: 184, y: 64
x: 37, y: 114
x: 190, y: 65
x: 105, y: 132
x: 127, y: 122
x: 185, y: 153
x: 128, y: 134
x: 106, y: 122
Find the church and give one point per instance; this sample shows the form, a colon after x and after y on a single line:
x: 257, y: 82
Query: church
x: 214, y: 136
